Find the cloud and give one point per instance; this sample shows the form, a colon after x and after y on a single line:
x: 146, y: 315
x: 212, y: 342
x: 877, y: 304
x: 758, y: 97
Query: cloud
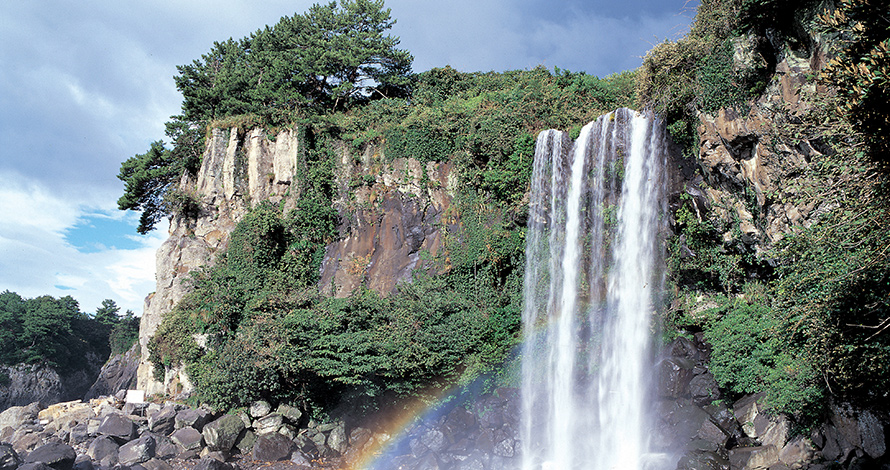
x: 36, y: 258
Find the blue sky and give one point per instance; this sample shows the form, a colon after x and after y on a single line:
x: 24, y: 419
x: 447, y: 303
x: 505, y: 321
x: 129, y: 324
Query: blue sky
x: 86, y: 85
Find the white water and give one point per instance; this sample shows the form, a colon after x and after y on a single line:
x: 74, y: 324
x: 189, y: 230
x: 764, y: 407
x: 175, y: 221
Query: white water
x: 590, y: 285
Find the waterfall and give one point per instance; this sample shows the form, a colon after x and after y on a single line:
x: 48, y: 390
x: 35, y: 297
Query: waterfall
x: 591, y: 277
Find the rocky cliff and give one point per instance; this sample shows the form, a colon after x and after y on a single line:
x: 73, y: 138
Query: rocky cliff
x: 389, y: 214
x: 42, y: 383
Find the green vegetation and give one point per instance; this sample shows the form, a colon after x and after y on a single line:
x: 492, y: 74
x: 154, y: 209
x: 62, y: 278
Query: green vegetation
x: 54, y: 331
x: 269, y: 333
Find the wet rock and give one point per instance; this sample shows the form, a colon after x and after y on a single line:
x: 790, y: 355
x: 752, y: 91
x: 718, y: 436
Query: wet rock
x: 704, y: 389
x: 272, y: 448
x: 9, y: 458
x: 708, y: 460
x: 674, y: 375
x: 55, y: 454
x: 222, y: 433
x: 753, y: 458
x: 337, y: 439
x: 137, y: 451
x: 710, y: 432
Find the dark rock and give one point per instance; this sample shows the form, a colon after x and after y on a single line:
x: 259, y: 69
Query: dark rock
x: 9, y: 458
x: 79, y: 434
x: 214, y: 454
x: 703, y: 389
x: 300, y: 459
x: 702, y: 461
x: 759, y: 457
x: 35, y: 466
x: 272, y: 448
x: 103, y: 449
x: 195, y: 418
x: 26, y: 441
x: 156, y: 464
x: 212, y: 464
x: 83, y: 463
x: 118, y: 373
x: 187, y: 439
x: 245, y: 441
x: 505, y: 447
x: 475, y: 461
x: 674, y: 375
x: 55, y: 454
x: 222, y: 433
x: 712, y: 433
x: 118, y: 427
x: 164, y: 447
x: 290, y: 413
x: 163, y: 421
x: 137, y: 451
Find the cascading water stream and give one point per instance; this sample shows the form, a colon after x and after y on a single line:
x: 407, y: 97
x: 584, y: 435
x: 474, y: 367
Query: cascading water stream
x: 591, y: 276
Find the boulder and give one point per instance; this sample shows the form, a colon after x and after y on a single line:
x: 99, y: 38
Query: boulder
x: 79, y: 434
x: 24, y: 441
x: 103, y: 449
x: 137, y: 451
x: 195, y: 418
x: 797, y: 452
x: 164, y: 447
x: 245, y: 441
x: 272, y: 448
x: 707, y: 460
x: 268, y: 424
x: 163, y: 421
x: 289, y: 413
x: 187, y: 439
x: 9, y: 458
x: 746, y: 410
x: 35, y: 466
x: 118, y: 427
x: 337, y: 439
x: 674, y: 374
x: 222, y: 433
x: 156, y: 464
x: 18, y: 415
x: 55, y: 454
x: 212, y: 464
x: 753, y: 458
x: 260, y: 408
x: 703, y: 389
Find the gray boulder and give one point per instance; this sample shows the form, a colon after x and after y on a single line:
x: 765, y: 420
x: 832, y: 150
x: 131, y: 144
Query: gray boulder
x: 55, y: 454
x: 212, y: 464
x: 289, y: 413
x: 194, y: 418
x: 163, y: 421
x: 187, y: 439
x: 156, y: 464
x: 17, y: 415
x: 137, y: 451
x: 259, y: 409
x: 35, y: 466
x: 103, y: 449
x: 272, y: 448
x: 118, y: 427
x: 222, y: 433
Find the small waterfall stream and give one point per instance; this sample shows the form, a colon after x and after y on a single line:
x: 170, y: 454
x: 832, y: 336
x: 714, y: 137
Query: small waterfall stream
x: 591, y: 279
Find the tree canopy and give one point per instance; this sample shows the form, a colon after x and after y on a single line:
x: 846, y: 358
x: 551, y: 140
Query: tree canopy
x: 332, y: 57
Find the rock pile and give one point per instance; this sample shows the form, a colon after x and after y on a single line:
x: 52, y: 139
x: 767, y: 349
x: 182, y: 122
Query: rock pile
x: 719, y: 435
x: 107, y: 433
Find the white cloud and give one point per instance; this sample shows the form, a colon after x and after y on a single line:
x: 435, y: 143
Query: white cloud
x: 35, y: 258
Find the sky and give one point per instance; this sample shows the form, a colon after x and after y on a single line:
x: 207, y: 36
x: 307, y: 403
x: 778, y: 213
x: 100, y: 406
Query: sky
x: 86, y: 85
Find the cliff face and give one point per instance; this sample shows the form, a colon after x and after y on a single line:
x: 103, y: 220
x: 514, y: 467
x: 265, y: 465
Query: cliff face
x: 751, y: 174
x: 44, y: 384
x: 389, y: 213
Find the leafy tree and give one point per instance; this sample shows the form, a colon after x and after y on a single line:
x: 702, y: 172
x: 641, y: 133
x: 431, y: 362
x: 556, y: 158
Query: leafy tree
x: 124, y: 333
x: 148, y: 177
x: 107, y: 314
x: 861, y: 70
